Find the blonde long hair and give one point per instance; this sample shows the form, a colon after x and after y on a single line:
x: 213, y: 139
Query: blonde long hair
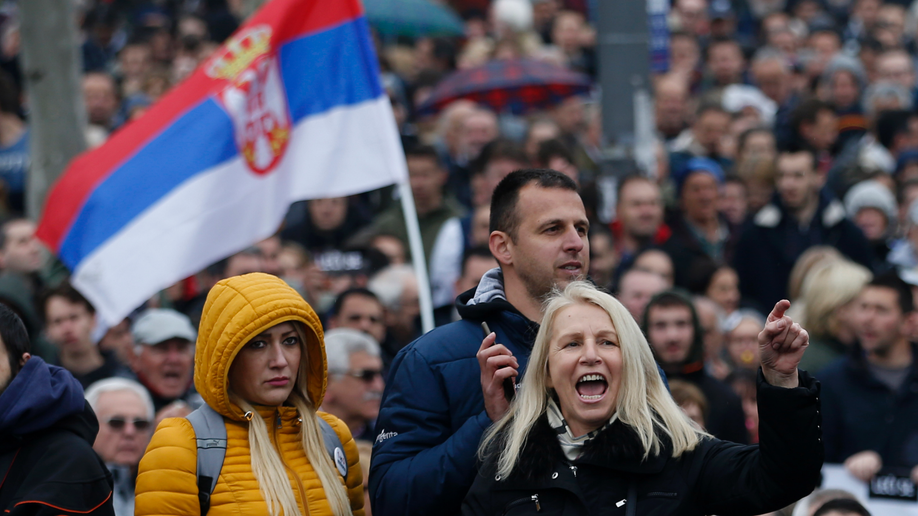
x: 644, y: 404
x: 267, y: 466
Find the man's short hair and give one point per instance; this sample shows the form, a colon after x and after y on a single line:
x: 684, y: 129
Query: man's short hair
x: 814, y: 163
x: 356, y: 291
x: 422, y: 151
x: 554, y: 148
x: 481, y: 251
x: 628, y: 179
x: 720, y: 42
x: 892, y: 123
x: 65, y: 290
x: 892, y: 281
x: 97, y: 389
x: 807, y: 112
x: 707, y: 106
x: 14, y: 335
x: 504, y: 200
x: 843, y: 506
x: 500, y: 148
x: 341, y: 343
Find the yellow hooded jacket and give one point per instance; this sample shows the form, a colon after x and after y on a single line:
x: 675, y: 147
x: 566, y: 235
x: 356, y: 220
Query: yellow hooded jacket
x: 236, y: 310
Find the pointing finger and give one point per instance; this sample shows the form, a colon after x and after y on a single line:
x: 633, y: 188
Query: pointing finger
x: 778, y: 311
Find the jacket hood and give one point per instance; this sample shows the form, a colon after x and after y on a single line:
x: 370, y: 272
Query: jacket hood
x: 487, y: 299
x: 695, y: 360
x: 238, y: 309
x: 38, y: 397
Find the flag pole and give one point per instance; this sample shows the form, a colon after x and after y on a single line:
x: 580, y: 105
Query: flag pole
x: 417, y: 252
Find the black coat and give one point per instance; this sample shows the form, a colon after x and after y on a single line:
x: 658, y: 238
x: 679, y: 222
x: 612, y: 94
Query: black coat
x: 55, y: 471
x: 715, y: 478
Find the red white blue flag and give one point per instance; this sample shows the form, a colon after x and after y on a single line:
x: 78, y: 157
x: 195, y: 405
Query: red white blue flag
x: 289, y: 108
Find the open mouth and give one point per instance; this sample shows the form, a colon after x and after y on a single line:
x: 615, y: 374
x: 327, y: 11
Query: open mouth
x: 592, y: 387
x: 572, y: 267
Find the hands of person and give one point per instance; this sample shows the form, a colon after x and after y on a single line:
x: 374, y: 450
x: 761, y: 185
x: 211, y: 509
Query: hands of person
x: 865, y: 465
x: 497, y: 364
x: 781, y: 346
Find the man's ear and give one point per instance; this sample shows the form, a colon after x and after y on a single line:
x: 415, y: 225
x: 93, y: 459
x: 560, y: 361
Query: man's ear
x: 25, y: 358
x: 501, y: 247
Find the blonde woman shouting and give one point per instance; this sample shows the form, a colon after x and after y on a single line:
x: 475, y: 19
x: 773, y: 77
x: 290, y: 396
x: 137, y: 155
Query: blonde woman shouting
x: 260, y: 365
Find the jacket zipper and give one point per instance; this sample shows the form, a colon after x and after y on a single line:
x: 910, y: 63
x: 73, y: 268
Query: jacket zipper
x: 532, y: 499
x: 280, y: 453
x: 574, y: 470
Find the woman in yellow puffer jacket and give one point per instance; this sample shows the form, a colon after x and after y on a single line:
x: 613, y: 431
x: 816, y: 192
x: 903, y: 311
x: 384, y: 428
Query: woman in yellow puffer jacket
x: 260, y: 363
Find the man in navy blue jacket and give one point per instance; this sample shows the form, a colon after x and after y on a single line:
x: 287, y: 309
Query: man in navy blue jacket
x: 47, y: 464
x: 433, y: 411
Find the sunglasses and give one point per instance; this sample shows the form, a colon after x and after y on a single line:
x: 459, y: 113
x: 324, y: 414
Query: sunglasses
x: 365, y: 375
x: 118, y: 423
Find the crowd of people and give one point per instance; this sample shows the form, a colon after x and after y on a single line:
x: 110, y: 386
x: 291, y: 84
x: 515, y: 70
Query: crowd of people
x: 785, y: 167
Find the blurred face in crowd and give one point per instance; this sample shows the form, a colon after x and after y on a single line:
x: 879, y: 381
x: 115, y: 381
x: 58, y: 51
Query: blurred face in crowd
x: 879, y: 322
x: 671, y: 97
x: 684, y: 54
x: 135, y: 60
x: 363, y: 313
x: 796, y: 180
x: 550, y: 247
x: 710, y: 129
x: 472, y: 270
x: 21, y: 251
x: 119, y: 340
x: 124, y: 428
x: 270, y: 250
x: 693, y: 16
x: 726, y: 63
x: 478, y: 129
x: 494, y: 171
x: 759, y: 144
x: 699, y: 197
x: 69, y: 325
x: 602, y: 258
x: 244, y: 263
x: 773, y: 78
x: 896, y: 67
x: 328, y: 214
x: 724, y: 289
x: 822, y: 133
x: 166, y: 368
x: 635, y: 289
x: 427, y: 179
x: 481, y: 221
x: 640, y: 209
x: 569, y: 115
x: 872, y: 222
x: 890, y: 25
x: 100, y: 97
x: 265, y: 369
x: 743, y: 343
x: 867, y: 11
x: 390, y: 246
x: 844, y: 89
x: 540, y: 131
x: 670, y: 333
x: 566, y: 31
x: 355, y: 394
x: 733, y: 202
x: 657, y: 262
x: 584, y: 342
x: 826, y: 45
x: 709, y: 315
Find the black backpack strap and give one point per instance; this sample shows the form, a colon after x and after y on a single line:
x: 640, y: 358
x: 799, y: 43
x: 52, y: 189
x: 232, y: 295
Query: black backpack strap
x: 210, y: 434
x: 333, y: 446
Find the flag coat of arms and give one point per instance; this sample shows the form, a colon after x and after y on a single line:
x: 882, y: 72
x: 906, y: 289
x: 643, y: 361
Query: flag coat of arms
x: 289, y: 108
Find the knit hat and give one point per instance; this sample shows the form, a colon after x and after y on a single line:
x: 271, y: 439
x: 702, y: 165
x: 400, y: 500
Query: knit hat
x: 871, y: 194
x: 694, y: 165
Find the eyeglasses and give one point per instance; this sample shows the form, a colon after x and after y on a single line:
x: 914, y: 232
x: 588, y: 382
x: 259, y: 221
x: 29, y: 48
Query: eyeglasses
x: 118, y: 423
x: 365, y: 375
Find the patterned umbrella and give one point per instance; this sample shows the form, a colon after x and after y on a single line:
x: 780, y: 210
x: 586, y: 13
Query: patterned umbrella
x: 412, y: 18
x: 514, y: 85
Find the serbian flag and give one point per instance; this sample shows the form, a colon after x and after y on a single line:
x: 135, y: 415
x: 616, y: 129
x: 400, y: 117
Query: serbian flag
x: 289, y: 108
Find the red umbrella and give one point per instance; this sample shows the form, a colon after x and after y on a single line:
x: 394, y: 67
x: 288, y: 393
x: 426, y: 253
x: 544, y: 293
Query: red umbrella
x: 514, y: 85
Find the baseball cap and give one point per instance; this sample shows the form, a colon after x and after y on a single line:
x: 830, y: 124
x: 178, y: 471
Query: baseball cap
x: 160, y: 324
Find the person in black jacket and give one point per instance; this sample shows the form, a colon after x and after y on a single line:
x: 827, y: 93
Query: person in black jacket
x: 676, y: 338
x: 47, y: 464
x: 593, y: 429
